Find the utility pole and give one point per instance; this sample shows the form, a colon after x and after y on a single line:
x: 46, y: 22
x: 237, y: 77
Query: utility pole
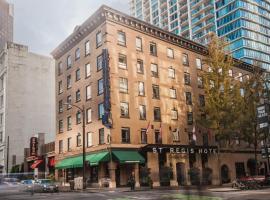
x: 7, y: 155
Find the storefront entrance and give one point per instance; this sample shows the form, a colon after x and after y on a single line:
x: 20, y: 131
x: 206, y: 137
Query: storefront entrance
x: 180, y: 172
x: 240, y: 169
x: 225, y: 177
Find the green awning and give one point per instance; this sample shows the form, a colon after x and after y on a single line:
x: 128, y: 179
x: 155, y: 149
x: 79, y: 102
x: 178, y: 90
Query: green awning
x: 95, y: 158
x: 73, y: 162
x: 128, y: 157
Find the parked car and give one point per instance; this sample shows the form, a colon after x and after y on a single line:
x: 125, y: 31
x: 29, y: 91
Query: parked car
x: 27, y: 182
x: 43, y: 185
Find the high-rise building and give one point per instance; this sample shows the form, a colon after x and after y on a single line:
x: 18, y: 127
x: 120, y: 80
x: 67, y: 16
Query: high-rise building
x: 246, y: 24
x: 140, y: 88
x: 6, y: 23
x: 26, y: 101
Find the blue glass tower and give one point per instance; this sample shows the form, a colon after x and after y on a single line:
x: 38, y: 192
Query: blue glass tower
x: 246, y: 24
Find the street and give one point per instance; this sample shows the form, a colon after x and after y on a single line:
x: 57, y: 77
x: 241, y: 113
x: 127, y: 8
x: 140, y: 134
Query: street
x: 16, y: 193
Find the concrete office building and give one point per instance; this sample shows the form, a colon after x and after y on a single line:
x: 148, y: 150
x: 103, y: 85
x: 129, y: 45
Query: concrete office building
x: 141, y: 88
x: 6, y: 23
x: 26, y: 101
x: 245, y: 23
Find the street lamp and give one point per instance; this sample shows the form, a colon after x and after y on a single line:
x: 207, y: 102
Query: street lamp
x: 82, y: 110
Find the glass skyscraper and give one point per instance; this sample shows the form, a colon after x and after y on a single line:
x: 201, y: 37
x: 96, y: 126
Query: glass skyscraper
x: 245, y: 23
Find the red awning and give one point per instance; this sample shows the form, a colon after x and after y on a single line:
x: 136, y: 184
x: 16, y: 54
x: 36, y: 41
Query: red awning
x: 36, y: 164
x: 52, y: 162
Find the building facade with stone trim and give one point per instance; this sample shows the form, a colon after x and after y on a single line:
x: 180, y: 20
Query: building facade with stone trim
x: 140, y: 87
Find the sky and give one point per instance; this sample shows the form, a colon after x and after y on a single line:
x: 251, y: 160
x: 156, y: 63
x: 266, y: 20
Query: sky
x: 43, y: 24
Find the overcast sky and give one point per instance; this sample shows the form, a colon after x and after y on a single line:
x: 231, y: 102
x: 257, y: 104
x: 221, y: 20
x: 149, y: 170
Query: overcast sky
x: 43, y: 24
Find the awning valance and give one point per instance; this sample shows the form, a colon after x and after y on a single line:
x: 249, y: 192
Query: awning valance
x: 73, y: 162
x: 36, y: 164
x: 125, y: 157
x: 95, y: 158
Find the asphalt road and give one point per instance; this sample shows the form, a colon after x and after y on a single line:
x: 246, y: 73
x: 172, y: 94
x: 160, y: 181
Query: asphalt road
x: 12, y: 193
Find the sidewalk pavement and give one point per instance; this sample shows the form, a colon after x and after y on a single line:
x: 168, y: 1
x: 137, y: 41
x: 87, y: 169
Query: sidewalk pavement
x: 127, y: 189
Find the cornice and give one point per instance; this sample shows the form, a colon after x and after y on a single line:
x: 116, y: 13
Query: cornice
x: 106, y: 13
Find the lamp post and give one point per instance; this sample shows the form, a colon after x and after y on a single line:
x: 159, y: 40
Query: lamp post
x: 82, y: 110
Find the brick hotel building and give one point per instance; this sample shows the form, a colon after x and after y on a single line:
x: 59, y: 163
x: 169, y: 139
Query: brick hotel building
x: 140, y: 87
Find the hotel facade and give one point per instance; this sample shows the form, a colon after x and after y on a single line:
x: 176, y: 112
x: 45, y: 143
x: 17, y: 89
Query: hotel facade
x: 141, y: 88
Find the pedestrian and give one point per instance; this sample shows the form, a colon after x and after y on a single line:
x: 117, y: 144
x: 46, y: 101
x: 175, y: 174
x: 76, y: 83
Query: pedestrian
x: 132, y: 181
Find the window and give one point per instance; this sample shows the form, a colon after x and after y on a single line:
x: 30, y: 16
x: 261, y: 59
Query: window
x: 172, y: 93
x: 125, y: 133
x: 78, y: 118
x: 242, y: 92
x: 122, y: 61
x: 185, y: 59
x: 77, y: 54
x: 155, y: 91
x: 68, y: 81
x: 142, y: 112
x: 89, y: 139
x: 174, y: 114
x: 189, y: 118
x: 124, y: 109
x: 140, y: 68
x: 121, y: 38
x: 143, y: 136
x: 60, y: 126
x: 188, y: 98
x: 99, y: 62
x: 176, y: 136
x: 1, y: 119
x: 101, y: 136
x: 68, y: 62
x: 79, y: 140
x: 154, y: 70
x: 78, y: 74
x: 69, y: 123
x: 78, y: 96
x: 200, y: 82
x: 230, y: 72
x: 87, y: 70
x: 198, y: 63
x: 60, y: 68
x: 60, y: 87
x: 123, y: 85
x: 98, y: 39
x: 240, y: 75
x: 211, y: 83
x: 60, y: 106
x: 1, y: 138
x: 138, y: 44
x: 157, y: 116
x: 69, y: 144
x: 201, y: 100
x: 153, y: 49
x: 187, y: 78
x: 158, y: 139
x: 1, y: 101
x: 88, y: 115
x: 170, y: 53
x: 69, y: 102
x: 87, y: 48
x: 141, y: 88
x: 60, y: 146
x: 100, y: 110
x: 100, y: 86
x: 88, y: 92
x: 171, y: 72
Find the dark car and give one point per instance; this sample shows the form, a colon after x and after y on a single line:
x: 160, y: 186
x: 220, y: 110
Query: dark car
x: 43, y: 185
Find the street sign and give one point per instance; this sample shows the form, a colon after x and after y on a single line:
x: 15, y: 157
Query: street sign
x: 265, y: 151
x: 262, y: 116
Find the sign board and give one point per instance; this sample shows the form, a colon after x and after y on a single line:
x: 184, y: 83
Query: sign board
x: 33, y: 146
x: 265, y: 151
x: 181, y: 149
x: 262, y: 116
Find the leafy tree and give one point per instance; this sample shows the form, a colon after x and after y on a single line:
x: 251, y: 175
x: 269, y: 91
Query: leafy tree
x: 222, y: 92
